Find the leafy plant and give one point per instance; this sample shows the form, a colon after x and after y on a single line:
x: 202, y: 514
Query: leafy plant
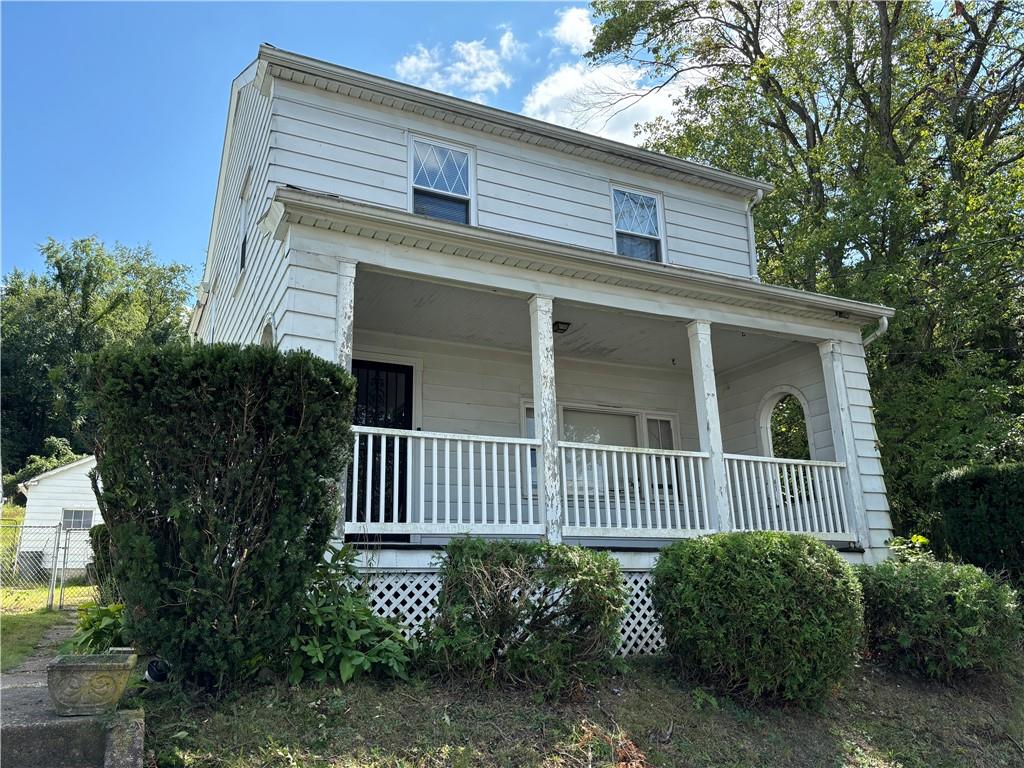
x: 982, y: 509
x: 100, y: 628
x: 908, y: 549
x: 938, y: 620
x: 219, y: 466
x: 527, y: 613
x: 338, y: 636
x: 761, y: 615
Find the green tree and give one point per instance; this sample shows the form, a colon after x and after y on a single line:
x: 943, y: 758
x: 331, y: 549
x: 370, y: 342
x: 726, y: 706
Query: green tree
x: 88, y: 296
x: 893, y: 134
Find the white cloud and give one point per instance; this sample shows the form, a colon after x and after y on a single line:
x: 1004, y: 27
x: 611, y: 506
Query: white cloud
x: 470, y: 68
x: 574, y: 30
x: 508, y: 46
x: 599, y: 100
x: 421, y: 67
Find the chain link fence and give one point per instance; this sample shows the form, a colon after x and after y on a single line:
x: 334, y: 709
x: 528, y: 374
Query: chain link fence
x: 44, y: 567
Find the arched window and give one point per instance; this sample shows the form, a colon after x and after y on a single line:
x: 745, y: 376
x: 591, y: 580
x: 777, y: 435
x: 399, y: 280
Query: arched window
x: 267, y: 337
x: 783, y: 425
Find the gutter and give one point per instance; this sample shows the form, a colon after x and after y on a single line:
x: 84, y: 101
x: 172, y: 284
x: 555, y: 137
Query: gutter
x: 883, y: 326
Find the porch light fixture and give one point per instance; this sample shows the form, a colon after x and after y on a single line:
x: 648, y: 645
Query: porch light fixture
x: 560, y: 326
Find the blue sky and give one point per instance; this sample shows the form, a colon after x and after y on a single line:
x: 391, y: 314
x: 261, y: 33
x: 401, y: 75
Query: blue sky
x: 113, y: 114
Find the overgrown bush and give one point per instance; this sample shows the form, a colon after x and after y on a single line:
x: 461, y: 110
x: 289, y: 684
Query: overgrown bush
x: 56, y: 453
x: 761, y: 615
x: 539, y: 615
x: 100, y: 628
x: 983, y: 514
x: 938, y: 619
x: 338, y: 636
x: 102, y: 567
x: 220, y: 469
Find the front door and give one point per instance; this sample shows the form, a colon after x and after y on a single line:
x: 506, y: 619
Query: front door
x: 383, y: 399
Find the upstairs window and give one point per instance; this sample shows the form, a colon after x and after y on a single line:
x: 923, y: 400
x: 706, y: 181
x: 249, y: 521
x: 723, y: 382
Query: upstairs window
x: 637, y: 231
x: 440, y: 182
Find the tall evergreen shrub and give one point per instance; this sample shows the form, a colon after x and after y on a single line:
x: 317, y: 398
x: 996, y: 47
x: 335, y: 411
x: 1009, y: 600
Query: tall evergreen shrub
x: 983, y: 511
x: 219, y: 469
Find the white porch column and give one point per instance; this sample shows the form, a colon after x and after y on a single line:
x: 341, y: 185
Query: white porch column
x: 344, y: 325
x: 709, y: 428
x: 545, y: 415
x: 843, y: 439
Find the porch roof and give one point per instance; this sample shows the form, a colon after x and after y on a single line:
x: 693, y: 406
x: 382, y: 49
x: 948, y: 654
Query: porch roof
x: 330, y: 212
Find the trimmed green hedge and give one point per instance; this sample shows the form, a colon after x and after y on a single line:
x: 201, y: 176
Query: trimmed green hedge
x: 983, y: 512
x: 938, y: 620
x: 220, y: 469
x: 527, y: 613
x: 762, y: 615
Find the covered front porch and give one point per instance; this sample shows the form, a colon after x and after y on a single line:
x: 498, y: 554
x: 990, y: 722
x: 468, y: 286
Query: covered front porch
x: 498, y: 413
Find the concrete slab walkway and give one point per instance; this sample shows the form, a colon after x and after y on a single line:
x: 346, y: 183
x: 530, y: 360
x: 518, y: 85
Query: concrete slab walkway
x: 34, y: 736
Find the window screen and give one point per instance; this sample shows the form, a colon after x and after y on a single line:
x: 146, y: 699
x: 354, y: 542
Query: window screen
x: 77, y: 519
x: 599, y: 427
x: 440, y: 207
x: 637, y: 233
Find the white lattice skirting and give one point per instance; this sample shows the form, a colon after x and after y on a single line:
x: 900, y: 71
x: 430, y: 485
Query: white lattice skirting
x: 411, y: 596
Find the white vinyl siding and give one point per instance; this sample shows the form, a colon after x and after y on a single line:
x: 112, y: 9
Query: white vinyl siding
x: 49, y: 501
x: 741, y: 393
x: 342, y: 146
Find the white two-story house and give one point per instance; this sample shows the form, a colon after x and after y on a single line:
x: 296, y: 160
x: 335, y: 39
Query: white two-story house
x: 554, y: 335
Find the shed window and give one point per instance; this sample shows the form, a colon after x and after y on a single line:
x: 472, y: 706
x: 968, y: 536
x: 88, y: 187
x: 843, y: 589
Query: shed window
x: 440, y: 181
x: 77, y: 519
x: 637, y: 232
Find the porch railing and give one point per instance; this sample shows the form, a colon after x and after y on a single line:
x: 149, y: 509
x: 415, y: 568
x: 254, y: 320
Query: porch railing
x: 407, y: 482
x: 767, y: 494
x: 632, y: 492
x: 410, y: 482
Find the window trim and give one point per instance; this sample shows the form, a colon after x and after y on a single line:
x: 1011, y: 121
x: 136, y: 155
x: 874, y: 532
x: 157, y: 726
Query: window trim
x: 764, y: 419
x: 641, y: 416
x: 446, y: 144
x: 64, y: 511
x: 659, y: 205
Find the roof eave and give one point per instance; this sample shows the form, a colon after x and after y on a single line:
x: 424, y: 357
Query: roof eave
x: 298, y: 202
x: 324, y: 71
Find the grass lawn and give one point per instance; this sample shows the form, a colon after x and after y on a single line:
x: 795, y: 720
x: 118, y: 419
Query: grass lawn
x: 881, y: 720
x: 20, y: 633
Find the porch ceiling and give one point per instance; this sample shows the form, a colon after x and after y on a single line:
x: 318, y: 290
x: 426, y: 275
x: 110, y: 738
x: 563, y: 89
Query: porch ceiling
x: 391, y: 303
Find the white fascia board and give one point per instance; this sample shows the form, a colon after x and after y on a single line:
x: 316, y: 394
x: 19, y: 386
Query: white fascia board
x: 394, y: 94
x: 33, y: 481
x: 298, y: 210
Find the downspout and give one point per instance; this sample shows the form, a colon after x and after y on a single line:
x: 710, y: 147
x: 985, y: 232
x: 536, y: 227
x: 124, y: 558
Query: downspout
x: 883, y: 326
x: 751, y: 245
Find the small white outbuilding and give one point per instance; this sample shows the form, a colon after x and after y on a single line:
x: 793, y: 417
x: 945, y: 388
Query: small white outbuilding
x: 63, y: 495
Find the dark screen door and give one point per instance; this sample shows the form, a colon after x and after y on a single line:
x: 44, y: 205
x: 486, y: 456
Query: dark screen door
x: 383, y: 399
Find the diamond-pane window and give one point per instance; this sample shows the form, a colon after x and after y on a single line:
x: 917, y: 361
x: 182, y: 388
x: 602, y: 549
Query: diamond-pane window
x: 442, y: 169
x: 636, y: 213
x: 636, y: 226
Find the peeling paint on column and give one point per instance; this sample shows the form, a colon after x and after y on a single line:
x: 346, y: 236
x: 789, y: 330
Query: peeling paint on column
x: 709, y: 427
x: 545, y: 411
x: 345, y: 313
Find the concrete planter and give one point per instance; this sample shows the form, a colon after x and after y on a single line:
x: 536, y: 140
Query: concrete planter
x: 88, y: 685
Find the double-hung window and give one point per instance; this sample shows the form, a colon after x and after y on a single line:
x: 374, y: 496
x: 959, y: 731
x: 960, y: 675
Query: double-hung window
x: 637, y: 225
x: 441, y: 186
